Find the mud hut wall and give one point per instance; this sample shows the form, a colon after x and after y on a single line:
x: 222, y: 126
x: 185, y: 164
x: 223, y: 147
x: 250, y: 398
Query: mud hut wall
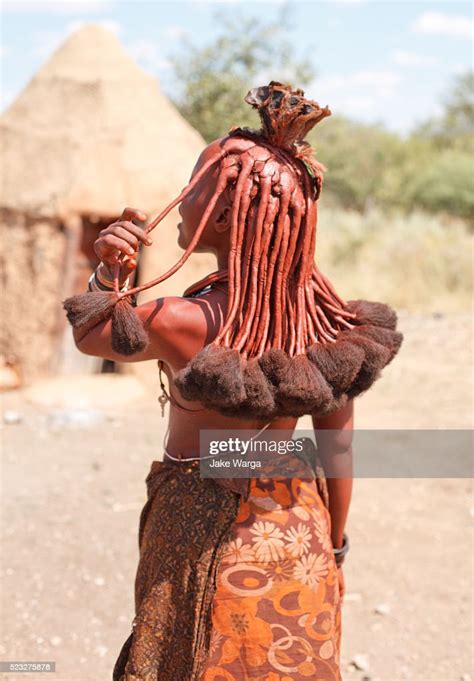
x: 32, y: 265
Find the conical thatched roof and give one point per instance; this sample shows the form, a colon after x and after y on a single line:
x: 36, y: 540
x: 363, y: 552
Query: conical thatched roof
x: 92, y: 132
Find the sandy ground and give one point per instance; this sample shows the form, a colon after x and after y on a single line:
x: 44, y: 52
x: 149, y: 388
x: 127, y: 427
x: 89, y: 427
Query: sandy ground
x: 72, y: 493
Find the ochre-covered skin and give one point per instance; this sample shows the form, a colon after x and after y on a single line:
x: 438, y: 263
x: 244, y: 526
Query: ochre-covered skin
x: 286, y: 343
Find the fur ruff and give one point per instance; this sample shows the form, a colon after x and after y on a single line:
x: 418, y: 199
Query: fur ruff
x: 318, y: 382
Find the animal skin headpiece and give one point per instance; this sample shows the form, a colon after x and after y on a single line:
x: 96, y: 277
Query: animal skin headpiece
x: 289, y: 344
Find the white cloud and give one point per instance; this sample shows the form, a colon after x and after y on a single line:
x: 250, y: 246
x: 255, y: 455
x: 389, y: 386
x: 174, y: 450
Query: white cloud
x: 237, y: 2
x: 57, y: 6
x: 147, y: 54
x: 373, y: 96
x: 176, y: 32
x: 361, y: 93
x: 459, y: 68
x: 439, y: 23
x: 48, y: 41
x: 379, y: 81
x: 213, y: 2
x: 404, y: 58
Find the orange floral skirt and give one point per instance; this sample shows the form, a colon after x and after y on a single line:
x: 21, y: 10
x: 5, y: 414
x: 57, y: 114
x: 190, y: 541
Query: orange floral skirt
x: 231, y: 588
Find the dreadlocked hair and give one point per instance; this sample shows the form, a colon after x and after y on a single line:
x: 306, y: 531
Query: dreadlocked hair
x: 289, y: 344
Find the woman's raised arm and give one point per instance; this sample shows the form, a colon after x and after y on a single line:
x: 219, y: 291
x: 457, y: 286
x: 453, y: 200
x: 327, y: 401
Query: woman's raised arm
x: 161, y: 318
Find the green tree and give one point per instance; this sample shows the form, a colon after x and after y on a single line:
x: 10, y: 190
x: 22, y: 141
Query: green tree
x: 455, y: 126
x: 444, y: 182
x: 247, y: 52
x: 363, y: 162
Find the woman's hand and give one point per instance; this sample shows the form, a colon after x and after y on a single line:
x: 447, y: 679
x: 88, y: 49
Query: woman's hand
x: 342, y: 582
x: 121, y: 237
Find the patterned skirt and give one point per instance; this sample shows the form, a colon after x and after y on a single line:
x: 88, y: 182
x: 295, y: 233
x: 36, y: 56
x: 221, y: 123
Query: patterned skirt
x: 233, y: 586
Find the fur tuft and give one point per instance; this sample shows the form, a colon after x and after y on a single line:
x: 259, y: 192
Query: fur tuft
x: 216, y: 375
x: 338, y: 362
x: 89, y: 309
x: 274, y: 364
x: 304, y: 389
x: 260, y: 399
x: 390, y: 339
x: 128, y: 333
x: 376, y: 357
x: 186, y: 383
x: 369, y: 312
x: 337, y: 403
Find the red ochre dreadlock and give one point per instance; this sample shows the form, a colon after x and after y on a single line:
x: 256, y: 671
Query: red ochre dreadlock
x: 289, y: 344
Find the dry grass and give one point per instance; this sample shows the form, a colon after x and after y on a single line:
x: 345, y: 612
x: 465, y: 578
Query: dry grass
x: 419, y: 262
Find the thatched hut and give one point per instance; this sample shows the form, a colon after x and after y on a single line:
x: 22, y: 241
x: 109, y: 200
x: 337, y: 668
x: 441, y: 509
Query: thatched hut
x: 90, y: 134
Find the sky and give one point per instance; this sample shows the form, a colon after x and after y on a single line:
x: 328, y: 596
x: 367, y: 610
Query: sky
x: 376, y: 61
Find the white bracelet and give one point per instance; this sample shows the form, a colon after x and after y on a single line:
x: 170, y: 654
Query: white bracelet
x: 93, y: 284
x: 108, y: 283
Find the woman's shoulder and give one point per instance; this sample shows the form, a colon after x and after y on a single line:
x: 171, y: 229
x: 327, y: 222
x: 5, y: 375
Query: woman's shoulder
x: 178, y: 320
x: 183, y: 310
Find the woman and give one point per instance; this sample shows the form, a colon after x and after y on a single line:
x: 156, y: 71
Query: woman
x: 242, y: 578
